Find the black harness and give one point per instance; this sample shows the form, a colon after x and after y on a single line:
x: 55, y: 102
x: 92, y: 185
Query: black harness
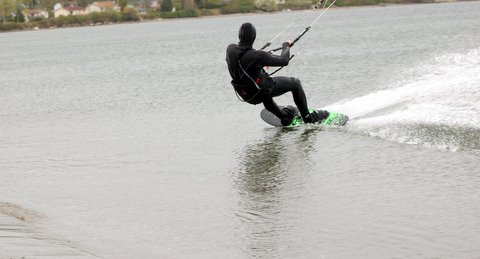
x: 247, y: 92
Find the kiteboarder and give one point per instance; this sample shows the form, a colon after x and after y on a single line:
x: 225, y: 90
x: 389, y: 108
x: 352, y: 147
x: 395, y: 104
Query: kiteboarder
x: 254, y: 85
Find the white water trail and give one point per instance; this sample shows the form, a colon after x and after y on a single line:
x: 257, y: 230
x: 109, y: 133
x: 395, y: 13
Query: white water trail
x: 446, y: 95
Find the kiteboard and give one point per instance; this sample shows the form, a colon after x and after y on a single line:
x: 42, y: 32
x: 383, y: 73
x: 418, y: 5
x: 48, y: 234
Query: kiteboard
x: 333, y: 119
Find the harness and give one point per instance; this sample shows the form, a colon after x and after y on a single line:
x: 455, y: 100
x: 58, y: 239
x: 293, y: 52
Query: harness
x: 240, y: 87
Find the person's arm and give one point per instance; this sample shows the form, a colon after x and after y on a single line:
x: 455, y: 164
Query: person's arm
x: 267, y: 59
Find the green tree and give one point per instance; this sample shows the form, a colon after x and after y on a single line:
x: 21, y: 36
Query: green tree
x: 188, y: 4
x: 83, y: 3
x: 214, y: 3
x: 7, y: 7
x: 200, y: 3
x: 19, y: 17
x: 239, y: 6
x: 30, y: 3
x: 129, y: 14
x: 48, y: 4
x: 166, y: 6
x: 266, y: 5
x: 122, y: 4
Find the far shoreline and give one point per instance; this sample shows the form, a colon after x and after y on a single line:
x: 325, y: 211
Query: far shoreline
x: 36, y: 28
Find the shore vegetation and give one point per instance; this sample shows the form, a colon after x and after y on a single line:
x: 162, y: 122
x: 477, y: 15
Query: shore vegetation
x: 25, y: 14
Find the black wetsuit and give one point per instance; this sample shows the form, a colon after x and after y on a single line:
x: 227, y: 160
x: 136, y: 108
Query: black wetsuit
x: 250, y: 80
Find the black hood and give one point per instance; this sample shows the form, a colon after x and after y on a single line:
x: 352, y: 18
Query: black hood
x: 246, y: 35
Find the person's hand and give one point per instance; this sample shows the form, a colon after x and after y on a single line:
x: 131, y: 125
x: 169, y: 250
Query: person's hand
x: 288, y: 43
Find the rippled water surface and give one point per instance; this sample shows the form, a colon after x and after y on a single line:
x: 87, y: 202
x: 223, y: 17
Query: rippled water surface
x: 127, y: 141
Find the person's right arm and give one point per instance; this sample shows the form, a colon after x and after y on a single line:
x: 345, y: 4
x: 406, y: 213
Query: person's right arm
x: 267, y: 59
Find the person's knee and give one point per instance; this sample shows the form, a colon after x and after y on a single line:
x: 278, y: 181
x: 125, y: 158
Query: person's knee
x: 297, y: 83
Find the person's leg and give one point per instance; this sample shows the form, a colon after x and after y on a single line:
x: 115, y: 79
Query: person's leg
x: 272, y: 107
x: 291, y: 84
x: 285, y: 115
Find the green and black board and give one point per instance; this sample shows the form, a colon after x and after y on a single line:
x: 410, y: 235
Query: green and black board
x: 334, y: 119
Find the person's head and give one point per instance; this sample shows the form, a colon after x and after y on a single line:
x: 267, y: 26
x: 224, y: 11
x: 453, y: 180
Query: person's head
x: 247, y: 35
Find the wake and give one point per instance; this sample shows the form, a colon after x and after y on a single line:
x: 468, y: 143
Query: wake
x: 439, y: 109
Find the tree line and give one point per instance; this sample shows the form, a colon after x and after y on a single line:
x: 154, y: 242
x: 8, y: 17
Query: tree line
x: 12, y: 16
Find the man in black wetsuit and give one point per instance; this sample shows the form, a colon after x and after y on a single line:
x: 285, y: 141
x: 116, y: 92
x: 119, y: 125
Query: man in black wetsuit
x: 255, y: 86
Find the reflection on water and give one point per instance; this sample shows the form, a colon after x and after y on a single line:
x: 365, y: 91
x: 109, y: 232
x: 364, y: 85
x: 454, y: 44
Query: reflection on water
x: 268, y: 173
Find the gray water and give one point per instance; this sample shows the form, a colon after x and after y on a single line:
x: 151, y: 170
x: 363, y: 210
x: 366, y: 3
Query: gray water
x: 127, y: 141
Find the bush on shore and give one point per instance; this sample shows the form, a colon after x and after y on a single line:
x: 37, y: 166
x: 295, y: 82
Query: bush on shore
x: 128, y: 14
x: 296, y: 5
x: 238, y: 6
x: 181, y: 14
x: 210, y: 12
x: 12, y: 26
x: 356, y: 2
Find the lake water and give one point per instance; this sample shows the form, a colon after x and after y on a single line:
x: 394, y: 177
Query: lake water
x: 127, y: 141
